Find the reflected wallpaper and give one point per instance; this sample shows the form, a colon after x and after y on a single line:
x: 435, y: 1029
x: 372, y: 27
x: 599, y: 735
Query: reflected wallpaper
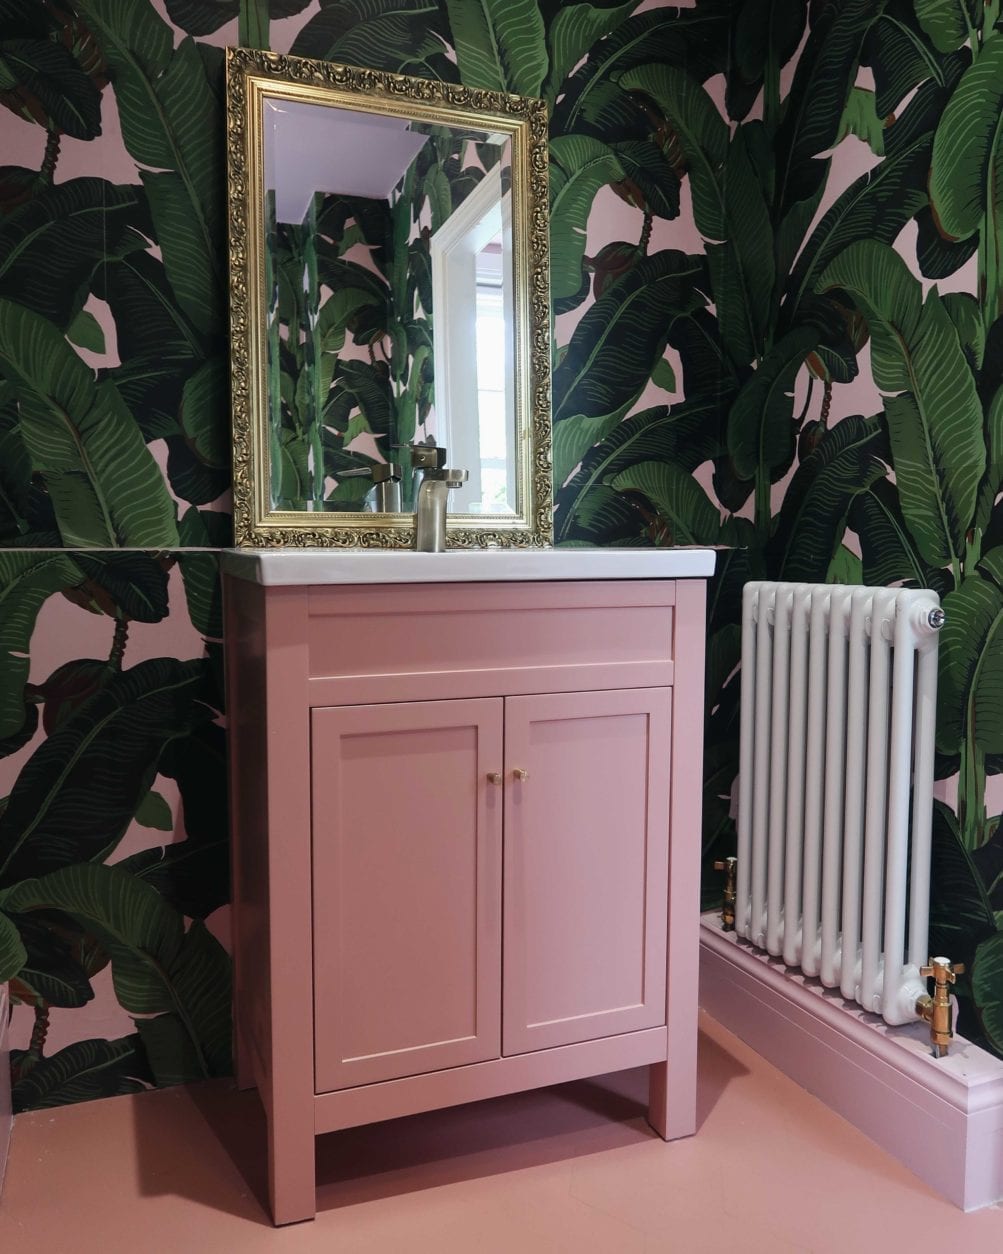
x: 777, y: 237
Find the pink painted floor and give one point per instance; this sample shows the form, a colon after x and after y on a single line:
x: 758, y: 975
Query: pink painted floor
x: 571, y: 1170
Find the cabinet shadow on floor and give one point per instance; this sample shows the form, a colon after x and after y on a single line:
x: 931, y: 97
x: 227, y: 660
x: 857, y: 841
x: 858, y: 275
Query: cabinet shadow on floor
x: 207, y: 1141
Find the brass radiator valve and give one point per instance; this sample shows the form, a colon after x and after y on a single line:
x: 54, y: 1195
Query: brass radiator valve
x: 936, y: 1010
x: 730, y: 866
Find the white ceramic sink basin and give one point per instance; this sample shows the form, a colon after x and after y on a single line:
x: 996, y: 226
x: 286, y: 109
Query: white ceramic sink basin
x: 348, y: 566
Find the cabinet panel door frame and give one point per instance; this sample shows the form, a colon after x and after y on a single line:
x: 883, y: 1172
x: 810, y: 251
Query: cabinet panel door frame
x: 544, y: 921
x: 343, y: 977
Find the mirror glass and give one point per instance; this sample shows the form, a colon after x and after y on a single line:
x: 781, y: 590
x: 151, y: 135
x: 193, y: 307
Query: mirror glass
x: 388, y: 247
x: 394, y: 264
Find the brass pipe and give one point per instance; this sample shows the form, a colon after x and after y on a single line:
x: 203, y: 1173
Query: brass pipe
x: 730, y: 866
x: 936, y: 1010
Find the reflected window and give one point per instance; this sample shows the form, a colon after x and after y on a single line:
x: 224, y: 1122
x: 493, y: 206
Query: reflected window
x: 492, y: 408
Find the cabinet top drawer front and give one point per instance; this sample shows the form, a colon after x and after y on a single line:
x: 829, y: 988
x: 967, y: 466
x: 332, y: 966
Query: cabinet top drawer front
x: 421, y: 642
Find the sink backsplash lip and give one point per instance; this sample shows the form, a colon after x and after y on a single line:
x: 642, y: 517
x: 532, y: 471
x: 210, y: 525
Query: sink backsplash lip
x: 298, y: 567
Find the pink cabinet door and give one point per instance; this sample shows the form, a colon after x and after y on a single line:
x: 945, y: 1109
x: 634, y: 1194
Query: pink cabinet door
x: 586, y: 865
x: 407, y: 888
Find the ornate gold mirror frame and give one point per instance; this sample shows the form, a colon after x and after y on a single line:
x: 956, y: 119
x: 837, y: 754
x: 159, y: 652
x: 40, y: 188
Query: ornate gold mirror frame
x: 254, y: 77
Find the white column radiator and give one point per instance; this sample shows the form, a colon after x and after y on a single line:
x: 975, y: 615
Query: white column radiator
x: 839, y: 689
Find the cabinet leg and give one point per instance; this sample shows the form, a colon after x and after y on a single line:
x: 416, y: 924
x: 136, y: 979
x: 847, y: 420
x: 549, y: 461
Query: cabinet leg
x: 671, y: 1102
x: 292, y: 1173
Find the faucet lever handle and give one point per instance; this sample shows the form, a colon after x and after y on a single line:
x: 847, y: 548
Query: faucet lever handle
x: 427, y: 456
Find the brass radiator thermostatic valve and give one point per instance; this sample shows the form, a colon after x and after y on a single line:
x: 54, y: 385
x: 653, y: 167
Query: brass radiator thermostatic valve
x: 936, y: 1010
x: 730, y: 867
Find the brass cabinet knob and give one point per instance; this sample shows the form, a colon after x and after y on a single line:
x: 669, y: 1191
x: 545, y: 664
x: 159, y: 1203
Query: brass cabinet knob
x: 494, y: 777
x: 520, y: 773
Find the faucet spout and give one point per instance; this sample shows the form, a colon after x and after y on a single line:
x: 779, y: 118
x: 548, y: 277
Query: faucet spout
x: 430, y: 508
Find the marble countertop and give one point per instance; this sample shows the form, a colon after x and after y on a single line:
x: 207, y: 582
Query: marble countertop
x: 287, y: 566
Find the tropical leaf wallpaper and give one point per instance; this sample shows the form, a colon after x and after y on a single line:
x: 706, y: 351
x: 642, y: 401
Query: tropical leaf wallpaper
x: 777, y: 235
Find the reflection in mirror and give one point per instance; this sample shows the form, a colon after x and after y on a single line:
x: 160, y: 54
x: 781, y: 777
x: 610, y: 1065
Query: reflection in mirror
x: 389, y: 283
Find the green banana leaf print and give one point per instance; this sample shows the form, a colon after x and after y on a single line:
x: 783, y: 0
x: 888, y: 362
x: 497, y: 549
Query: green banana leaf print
x: 778, y: 327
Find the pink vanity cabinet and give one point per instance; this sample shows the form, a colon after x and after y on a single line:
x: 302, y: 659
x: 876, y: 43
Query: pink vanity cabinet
x: 466, y: 831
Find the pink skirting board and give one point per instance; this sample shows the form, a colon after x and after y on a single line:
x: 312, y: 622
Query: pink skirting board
x: 942, y: 1118
x: 6, y: 1117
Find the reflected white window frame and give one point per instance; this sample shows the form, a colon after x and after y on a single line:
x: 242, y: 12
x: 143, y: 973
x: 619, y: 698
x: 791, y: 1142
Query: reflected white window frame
x: 454, y: 248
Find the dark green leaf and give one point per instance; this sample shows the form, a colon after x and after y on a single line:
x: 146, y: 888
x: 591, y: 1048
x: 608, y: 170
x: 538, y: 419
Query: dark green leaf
x: 85, y: 331
x: 616, y: 344
x: 574, y: 30
x: 198, y: 765
x: 702, y: 135
x: 987, y: 988
x: 960, y: 914
x: 860, y: 118
x: 970, y: 693
x: 136, y: 582
x: 18, y: 739
x: 948, y: 23
x: 27, y: 580
x: 733, y: 569
x: 728, y: 203
x: 690, y: 517
x: 192, y: 875
x: 404, y: 36
x: 200, y: 571
x: 51, y: 974
x: 149, y: 325
x: 900, y: 55
x: 687, y: 435
x: 706, y: 368
x: 965, y: 312
x: 694, y: 39
x: 154, y: 811
x: 814, y: 513
x: 881, y: 202
x: 766, y: 32
x: 55, y: 245
x: 171, y: 124
x: 202, y: 17
x: 761, y: 421
x: 579, y: 166
x: 934, y: 413
x: 500, y: 44
x: 651, y: 182
x: 191, y: 479
x: 76, y: 796
x: 966, y: 174
x: 939, y: 257
x: 888, y: 550
x: 604, y: 517
x: 358, y: 385
x: 13, y: 954
x: 204, y: 402
x: 157, y: 967
x: 845, y: 568
x: 58, y: 93
x: 170, y: 1050
x: 826, y: 70
x: 82, y: 1072
x: 106, y: 487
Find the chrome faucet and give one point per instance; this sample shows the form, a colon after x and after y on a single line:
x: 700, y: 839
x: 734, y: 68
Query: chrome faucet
x: 431, y: 499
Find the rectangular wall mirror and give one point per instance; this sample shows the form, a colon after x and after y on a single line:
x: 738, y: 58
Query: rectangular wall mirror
x: 389, y: 289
